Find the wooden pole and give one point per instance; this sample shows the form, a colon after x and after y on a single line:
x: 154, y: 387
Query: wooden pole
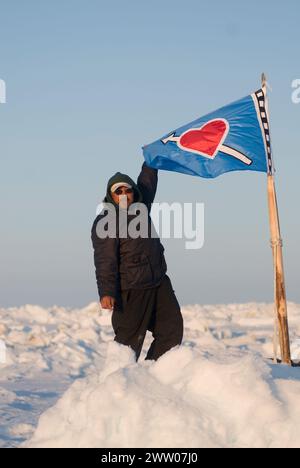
x: 280, y: 292
x: 276, y: 243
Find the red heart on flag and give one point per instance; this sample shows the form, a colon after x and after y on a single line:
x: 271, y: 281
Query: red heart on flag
x: 206, y: 140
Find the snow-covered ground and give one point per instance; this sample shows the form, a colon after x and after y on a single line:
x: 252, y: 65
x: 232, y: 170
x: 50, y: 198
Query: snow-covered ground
x: 219, y: 389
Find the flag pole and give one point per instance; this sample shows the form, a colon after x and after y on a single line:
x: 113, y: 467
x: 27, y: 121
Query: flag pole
x: 279, y: 280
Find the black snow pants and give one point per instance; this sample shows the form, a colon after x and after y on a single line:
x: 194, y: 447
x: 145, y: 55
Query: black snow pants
x: 155, y: 309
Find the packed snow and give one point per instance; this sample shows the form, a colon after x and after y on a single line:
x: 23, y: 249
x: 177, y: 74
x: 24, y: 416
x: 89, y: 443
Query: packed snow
x: 66, y: 383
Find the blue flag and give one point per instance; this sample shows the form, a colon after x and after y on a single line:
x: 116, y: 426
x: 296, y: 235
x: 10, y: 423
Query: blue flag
x: 233, y: 138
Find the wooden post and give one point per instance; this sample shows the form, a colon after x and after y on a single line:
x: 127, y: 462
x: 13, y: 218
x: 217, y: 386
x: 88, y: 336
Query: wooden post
x: 280, y: 293
x: 276, y: 243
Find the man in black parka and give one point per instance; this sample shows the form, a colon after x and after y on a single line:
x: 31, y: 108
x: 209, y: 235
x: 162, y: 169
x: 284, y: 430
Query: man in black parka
x: 131, y: 273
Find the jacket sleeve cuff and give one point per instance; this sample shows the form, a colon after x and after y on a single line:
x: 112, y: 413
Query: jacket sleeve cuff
x: 107, y: 293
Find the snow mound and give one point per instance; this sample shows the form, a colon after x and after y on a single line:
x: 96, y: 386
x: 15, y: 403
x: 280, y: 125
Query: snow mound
x: 219, y: 389
x: 188, y: 398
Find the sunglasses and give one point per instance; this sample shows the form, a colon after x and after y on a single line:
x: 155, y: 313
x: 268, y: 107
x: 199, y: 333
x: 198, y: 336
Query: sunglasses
x: 124, y: 191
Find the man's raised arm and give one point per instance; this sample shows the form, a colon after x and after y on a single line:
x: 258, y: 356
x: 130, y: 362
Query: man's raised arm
x: 147, y: 183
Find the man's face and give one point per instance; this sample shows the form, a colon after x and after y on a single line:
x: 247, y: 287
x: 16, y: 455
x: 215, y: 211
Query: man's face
x: 123, y: 196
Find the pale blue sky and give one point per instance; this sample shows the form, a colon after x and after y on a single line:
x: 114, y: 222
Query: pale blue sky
x: 90, y: 82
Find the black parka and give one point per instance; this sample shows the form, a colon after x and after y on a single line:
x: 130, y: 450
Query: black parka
x: 129, y: 263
